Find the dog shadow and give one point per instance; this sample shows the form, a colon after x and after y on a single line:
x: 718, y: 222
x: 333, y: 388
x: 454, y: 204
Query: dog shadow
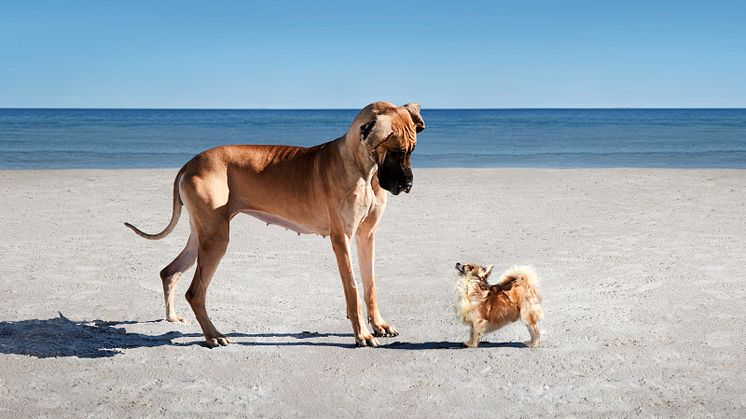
x: 300, y: 339
x: 414, y: 346
x: 62, y: 337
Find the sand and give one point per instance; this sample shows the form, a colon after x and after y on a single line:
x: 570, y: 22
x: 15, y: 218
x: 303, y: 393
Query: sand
x: 642, y: 276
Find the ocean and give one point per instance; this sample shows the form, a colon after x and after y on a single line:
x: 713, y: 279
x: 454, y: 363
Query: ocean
x: 552, y: 138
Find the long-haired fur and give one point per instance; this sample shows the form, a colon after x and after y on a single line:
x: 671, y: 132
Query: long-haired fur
x: 487, y: 307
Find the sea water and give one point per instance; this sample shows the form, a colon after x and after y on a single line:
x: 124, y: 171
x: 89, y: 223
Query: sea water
x: 140, y: 138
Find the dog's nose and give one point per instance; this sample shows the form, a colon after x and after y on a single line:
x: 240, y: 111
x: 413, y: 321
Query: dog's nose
x: 458, y: 266
x: 406, y: 186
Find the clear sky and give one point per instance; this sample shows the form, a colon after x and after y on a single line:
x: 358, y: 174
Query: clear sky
x: 316, y: 54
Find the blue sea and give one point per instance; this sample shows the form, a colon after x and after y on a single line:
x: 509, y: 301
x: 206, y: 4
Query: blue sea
x: 138, y: 138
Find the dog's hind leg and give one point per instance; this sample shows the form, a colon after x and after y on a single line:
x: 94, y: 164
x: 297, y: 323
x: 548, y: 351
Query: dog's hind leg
x: 530, y: 314
x: 171, y: 274
x: 211, y: 248
x: 533, y: 330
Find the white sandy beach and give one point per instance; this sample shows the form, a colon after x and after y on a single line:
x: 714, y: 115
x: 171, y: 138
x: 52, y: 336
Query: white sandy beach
x: 642, y: 270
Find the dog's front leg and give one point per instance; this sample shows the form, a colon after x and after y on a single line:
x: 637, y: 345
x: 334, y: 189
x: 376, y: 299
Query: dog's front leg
x: 366, y: 249
x: 341, y: 246
x: 477, y: 328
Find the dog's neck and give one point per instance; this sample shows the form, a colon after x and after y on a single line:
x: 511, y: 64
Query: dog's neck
x: 363, y: 161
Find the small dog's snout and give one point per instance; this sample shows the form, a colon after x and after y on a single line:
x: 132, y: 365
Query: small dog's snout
x: 459, y: 267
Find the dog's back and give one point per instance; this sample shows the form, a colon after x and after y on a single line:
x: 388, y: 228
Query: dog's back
x: 520, y: 283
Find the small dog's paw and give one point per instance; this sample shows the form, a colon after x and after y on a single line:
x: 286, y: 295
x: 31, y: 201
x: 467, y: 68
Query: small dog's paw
x: 468, y: 344
x: 384, y: 330
x: 366, y: 340
x: 531, y: 344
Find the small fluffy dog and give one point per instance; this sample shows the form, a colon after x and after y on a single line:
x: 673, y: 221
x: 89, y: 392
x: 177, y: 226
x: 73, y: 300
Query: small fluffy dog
x: 488, y: 307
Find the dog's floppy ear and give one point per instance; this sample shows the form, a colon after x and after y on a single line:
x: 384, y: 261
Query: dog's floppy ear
x: 366, y: 129
x: 414, y: 111
x: 484, y: 273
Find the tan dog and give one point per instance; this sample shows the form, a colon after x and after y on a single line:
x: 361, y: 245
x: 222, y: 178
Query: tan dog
x: 488, y: 307
x: 336, y: 189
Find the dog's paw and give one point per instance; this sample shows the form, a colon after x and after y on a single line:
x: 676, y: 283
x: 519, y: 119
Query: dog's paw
x: 384, y: 330
x: 217, y: 341
x: 469, y: 344
x: 531, y: 344
x: 366, y: 340
x: 176, y: 319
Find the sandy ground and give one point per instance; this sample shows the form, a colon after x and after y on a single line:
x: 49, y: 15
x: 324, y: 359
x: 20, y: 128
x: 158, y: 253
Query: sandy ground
x: 642, y: 277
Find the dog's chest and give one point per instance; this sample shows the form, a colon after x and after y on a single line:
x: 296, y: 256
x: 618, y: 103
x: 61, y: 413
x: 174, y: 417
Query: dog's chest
x: 464, y: 304
x: 361, y: 202
x: 363, y: 196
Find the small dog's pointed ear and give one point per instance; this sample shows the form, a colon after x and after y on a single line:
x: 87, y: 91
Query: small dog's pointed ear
x: 414, y: 111
x: 485, y: 272
x: 366, y: 129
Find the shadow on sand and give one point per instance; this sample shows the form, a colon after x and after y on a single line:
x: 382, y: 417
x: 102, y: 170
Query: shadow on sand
x: 414, y: 346
x: 62, y: 337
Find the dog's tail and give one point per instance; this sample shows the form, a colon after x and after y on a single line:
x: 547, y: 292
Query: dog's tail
x: 175, y: 214
x: 518, y: 275
x: 531, y: 310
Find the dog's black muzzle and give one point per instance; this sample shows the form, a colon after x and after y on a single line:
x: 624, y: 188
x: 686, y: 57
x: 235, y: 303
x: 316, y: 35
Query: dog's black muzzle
x: 395, y: 175
x: 396, y: 187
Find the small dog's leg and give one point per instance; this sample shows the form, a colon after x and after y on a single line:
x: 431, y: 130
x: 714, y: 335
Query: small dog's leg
x: 476, y: 334
x: 533, y: 330
x: 531, y: 313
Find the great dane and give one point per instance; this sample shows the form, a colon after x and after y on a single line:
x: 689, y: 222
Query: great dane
x: 336, y: 189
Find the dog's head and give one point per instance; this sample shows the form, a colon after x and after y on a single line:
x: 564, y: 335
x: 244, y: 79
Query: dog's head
x: 474, y: 271
x: 389, y: 133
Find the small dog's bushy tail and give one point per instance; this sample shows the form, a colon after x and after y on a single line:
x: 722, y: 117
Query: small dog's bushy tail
x: 519, y: 274
x: 531, y: 310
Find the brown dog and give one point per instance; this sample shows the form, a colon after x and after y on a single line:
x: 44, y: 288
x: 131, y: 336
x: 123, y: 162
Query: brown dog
x: 488, y: 307
x: 336, y: 189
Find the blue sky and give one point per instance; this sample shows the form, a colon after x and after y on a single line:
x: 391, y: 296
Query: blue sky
x: 315, y: 54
